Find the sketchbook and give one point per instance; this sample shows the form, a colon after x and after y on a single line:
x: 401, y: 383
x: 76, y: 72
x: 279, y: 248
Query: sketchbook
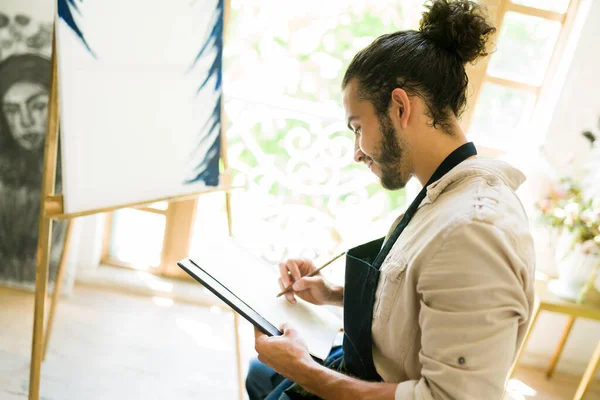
x: 254, y: 283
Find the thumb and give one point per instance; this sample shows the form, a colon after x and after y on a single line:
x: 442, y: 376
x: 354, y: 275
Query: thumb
x: 287, y: 330
x: 306, y: 283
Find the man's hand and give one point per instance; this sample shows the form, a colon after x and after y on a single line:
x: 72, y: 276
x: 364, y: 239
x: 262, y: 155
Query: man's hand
x: 315, y: 289
x: 286, y: 354
x: 289, y: 356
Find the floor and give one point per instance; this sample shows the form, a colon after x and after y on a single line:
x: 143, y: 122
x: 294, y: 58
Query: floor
x: 108, y: 345
x: 115, y: 346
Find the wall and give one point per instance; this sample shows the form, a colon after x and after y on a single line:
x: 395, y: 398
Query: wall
x: 91, y: 235
x: 578, y: 104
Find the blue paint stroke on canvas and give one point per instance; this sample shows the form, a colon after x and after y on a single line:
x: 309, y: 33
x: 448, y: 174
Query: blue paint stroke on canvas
x: 65, y: 8
x: 207, y: 152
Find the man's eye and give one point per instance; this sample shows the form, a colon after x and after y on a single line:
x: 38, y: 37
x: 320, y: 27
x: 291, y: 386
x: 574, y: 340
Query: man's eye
x: 357, y: 131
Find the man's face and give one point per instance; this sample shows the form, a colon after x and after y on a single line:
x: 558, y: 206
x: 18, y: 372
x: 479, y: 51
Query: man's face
x: 377, y: 143
x: 25, y: 106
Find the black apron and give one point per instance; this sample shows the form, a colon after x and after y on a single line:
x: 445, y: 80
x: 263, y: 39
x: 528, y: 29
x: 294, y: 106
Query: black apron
x: 363, y: 265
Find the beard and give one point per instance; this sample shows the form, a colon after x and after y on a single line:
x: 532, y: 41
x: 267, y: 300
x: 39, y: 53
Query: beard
x: 391, y: 156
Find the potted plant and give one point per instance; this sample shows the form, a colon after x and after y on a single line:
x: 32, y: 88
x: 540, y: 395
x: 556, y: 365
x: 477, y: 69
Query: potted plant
x: 574, y: 216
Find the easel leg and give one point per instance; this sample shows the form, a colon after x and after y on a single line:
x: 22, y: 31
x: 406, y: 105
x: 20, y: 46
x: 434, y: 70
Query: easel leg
x: 559, y: 348
x: 44, y: 233
x: 228, y: 210
x: 589, y: 374
x: 41, y: 287
x: 238, y: 355
x: 62, y: 266
x: 534, y: 317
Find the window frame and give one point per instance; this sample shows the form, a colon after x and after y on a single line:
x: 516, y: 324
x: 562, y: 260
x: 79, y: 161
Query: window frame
x: 179, y: 217
x: 478, y: 74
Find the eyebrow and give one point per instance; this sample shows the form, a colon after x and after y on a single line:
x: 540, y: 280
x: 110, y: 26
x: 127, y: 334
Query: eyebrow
x: 350, y: 119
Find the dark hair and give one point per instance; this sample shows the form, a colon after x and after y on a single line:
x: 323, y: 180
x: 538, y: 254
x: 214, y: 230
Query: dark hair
x: 18, y: 68
x: 429, y: 62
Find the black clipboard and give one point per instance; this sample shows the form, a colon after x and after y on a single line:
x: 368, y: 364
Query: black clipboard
x: 227, y: 296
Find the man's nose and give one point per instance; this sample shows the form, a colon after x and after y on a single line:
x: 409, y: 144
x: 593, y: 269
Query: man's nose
x: 359, y: 156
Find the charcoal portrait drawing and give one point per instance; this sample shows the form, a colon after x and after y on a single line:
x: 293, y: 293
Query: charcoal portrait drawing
x: 24, y: 81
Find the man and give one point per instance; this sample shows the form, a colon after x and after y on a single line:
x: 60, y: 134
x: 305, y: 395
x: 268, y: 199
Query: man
x: 439, y: 308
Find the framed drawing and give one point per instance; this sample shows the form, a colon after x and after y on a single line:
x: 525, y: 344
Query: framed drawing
x: 25, y: 48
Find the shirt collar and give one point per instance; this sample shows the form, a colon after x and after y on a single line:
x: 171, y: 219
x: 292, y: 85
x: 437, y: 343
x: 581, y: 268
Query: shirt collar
x: 494, y: 171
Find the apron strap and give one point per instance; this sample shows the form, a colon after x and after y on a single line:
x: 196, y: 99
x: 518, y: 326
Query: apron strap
x: 459, y: 155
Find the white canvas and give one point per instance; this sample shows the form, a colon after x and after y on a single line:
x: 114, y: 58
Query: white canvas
x: 133, y: 121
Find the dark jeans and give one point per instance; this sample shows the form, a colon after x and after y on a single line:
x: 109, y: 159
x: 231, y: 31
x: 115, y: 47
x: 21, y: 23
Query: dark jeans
x: 263, y: 383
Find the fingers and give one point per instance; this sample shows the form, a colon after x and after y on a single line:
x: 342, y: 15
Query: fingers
x: 294, y: 269
x: 258, y: 334
x: 306, y: 266
x: 291, y: 271
x: 289, y: 296
x: 288, y: 330
x: 285, y: 276
x: 262, y: 359
x: 306, y: 283
x: 259, y: 342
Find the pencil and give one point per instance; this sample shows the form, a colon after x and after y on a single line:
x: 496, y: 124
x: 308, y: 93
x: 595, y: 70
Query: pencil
x: 316, y: 271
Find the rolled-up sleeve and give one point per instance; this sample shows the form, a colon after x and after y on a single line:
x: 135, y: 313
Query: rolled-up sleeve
x: 473, y: 301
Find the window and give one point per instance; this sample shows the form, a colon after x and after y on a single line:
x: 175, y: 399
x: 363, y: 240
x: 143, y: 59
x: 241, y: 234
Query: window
x: 151, y: 238
x: 288, y: 144
x: 288, y: 141
x: 529, y: 42
x: 147, y: 228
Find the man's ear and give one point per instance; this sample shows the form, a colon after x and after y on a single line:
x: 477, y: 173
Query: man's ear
x: 400, y: 107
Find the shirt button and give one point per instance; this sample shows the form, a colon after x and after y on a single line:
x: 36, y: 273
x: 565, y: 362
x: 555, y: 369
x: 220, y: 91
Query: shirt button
x: 461, y: 361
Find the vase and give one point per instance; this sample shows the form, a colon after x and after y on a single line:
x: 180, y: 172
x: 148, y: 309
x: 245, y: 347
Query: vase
x: 575, y: 267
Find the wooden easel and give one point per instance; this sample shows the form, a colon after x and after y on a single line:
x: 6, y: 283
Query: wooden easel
x: 51, y: 208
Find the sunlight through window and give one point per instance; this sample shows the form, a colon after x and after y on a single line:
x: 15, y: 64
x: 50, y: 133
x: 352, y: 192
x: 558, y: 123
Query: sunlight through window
x: 162, y: 301
x: 202, y: 333
x: 519, y: 389
x: 155, y: 282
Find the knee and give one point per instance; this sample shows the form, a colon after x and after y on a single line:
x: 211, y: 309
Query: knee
x: 255, y: 371
x: 258, y: 380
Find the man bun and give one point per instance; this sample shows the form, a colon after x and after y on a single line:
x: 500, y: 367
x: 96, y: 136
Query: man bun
x: 459, y: 26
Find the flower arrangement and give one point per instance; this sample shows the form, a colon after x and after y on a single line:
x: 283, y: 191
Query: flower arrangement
x: 565, y: 207
x: 568, y: 208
